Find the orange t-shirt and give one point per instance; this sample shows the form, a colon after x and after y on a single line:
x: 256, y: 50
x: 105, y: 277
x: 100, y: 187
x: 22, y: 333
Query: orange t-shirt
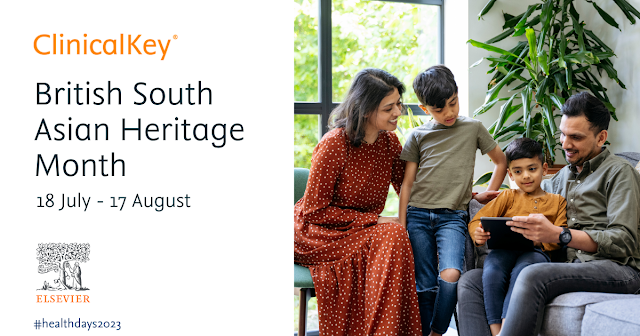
x: 515, y: 202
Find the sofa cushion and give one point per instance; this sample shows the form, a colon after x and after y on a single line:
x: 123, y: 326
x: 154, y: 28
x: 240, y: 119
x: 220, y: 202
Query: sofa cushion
x: 564, y: 314
x: 618, y: 317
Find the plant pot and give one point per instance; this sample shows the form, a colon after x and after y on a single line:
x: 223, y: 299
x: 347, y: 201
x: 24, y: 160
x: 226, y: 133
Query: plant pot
x: 555, y: 168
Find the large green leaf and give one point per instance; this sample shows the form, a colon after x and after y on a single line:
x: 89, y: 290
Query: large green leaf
x: 611, y: 72
x: 531, y: 37
x: 558, y: 77
x: 581, y: 57
x: 494, y: 91
x: 624, y: 10
x: 631, y: 8
x: 486, y: 177
x: 512, y: 21
x: 526, y: 104
x: 476, y: 63
x: 557, y: 100
x: 601, y: 55
x: 510, y: 136
x: 606, y: 17
x: 505, y: 112
x: 577, y: 27
x: 523, y: 20
x: 547, y: 108
x: 549, y: 138
x: 545, y: 18
x: 514, y: 126
x: 486, y: 107
x: 542, y: 60
x: 503, y: 61
x: 627, y: 8
x: 501, y: 36
x: 486, y: 8
x: 490, y: 48
x: 541, y: 91
x: 520, y: 86
x: 597, y: 40
x: 562, y: 48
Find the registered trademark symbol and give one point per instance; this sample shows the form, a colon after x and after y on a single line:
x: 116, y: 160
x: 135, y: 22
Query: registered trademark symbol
x: 175, y: 37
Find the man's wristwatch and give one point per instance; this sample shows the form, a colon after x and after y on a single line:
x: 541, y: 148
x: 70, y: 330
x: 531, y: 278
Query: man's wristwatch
x: 565, y: 237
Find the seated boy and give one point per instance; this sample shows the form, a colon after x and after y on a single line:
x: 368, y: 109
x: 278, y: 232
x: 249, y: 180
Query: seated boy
x: 437, y: 188
x: 501, y: 267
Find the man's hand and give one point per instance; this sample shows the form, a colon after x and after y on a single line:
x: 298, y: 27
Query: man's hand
x: 536, y: 227
x: 481, y: 236
x: 388, y: 220
x: 485, y: 197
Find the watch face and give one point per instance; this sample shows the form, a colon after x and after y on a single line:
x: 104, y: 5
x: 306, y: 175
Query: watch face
x: 565, y: 237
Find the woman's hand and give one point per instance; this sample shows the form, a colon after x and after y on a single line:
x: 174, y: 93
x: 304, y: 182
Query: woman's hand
x: 481, y: 236
x: 388, y: 220
x: 486, y: 196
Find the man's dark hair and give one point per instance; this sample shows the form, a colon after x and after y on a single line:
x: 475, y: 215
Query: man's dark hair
x: 523, y: 148
x: 585, y: 104
x: 435, y: 86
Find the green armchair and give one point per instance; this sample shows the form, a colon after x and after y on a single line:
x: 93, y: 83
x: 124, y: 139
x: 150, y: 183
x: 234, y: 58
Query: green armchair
x: 301, y: 275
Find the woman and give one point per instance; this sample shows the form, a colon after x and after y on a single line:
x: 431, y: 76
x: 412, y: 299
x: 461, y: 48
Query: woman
x: 361, y: 263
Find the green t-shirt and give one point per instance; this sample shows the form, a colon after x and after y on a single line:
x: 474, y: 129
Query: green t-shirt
x: 446, y: 156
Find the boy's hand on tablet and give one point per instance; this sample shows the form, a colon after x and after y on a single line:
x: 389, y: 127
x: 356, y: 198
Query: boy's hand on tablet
x: 481, y: 236
x: 486, y: 196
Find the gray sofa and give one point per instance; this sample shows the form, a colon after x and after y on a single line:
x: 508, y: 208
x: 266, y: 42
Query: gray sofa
x: 578, y: 313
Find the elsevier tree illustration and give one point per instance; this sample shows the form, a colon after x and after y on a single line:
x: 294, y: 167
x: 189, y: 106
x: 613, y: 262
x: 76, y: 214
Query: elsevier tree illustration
x: 53, y: 255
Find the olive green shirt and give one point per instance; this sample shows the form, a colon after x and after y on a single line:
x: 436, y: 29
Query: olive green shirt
x: 446, y: 156
x: 603, y: 201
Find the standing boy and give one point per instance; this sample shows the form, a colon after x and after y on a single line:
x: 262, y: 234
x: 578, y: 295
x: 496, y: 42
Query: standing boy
x: 437, y: 189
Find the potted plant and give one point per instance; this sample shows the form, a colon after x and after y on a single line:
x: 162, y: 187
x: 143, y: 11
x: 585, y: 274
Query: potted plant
x: 559, y: 57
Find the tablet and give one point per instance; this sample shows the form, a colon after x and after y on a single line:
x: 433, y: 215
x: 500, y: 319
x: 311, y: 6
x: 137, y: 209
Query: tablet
x: 502, y: 237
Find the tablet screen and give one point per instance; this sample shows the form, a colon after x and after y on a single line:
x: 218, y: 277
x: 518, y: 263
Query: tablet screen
x: 502, y: 237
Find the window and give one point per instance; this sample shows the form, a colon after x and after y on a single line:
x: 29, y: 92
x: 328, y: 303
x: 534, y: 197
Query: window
x: 333, y: 40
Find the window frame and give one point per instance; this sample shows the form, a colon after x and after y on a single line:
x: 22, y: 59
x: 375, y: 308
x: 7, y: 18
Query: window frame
x: 325, y: 105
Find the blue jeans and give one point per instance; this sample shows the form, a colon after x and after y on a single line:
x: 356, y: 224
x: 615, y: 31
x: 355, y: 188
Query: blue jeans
x: 437, y: 239
x: 501, y: 269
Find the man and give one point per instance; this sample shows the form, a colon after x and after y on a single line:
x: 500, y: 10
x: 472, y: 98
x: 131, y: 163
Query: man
x: 603, y: 217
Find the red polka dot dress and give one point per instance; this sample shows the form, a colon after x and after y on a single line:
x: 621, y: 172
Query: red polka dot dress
x: 363, y: 272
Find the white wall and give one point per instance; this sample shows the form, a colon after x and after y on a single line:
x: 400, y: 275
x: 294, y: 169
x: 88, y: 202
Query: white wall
x: 624, y: 134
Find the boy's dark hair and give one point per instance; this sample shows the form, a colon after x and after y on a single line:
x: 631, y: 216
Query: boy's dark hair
x: 367, y: 90
x: 523, y: 148
x: 435, y: 86
x: 585, y: 104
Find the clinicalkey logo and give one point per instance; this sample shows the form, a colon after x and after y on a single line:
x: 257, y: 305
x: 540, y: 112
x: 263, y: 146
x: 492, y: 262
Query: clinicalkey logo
x: 57, y: 44
x: 62, y: 261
